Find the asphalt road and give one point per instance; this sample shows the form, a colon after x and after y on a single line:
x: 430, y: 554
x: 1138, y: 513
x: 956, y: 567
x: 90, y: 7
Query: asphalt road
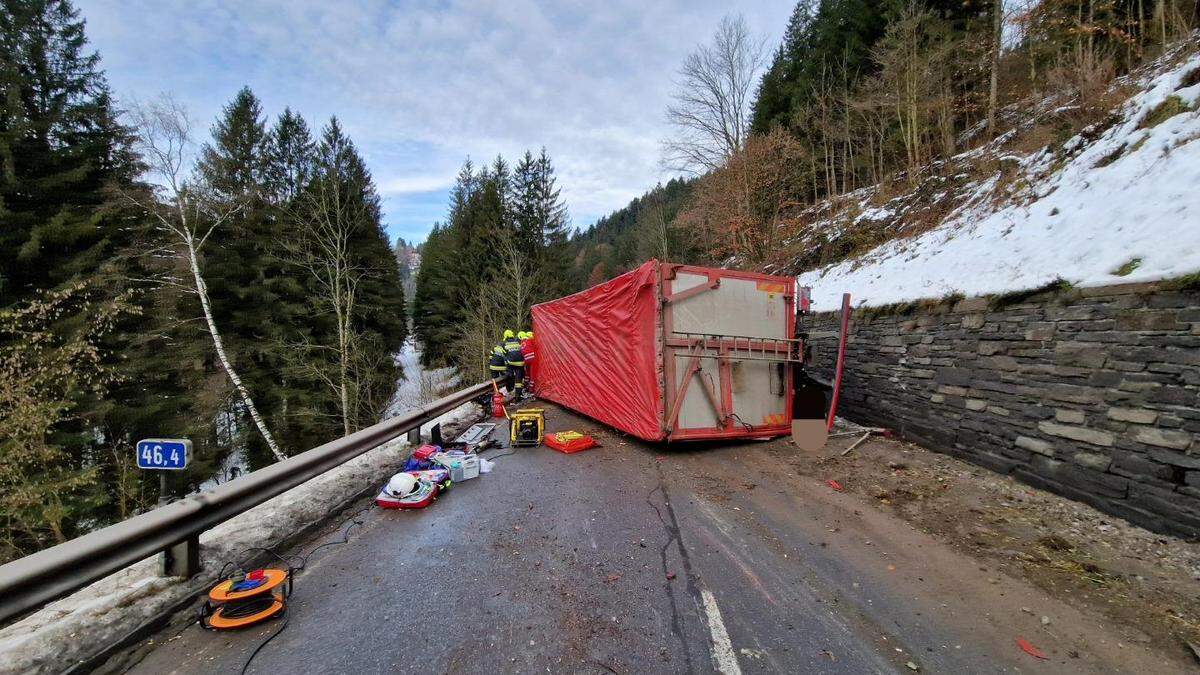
x: 631, y: 559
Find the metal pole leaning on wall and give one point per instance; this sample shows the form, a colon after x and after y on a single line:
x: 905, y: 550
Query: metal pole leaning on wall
x: 49, y: 574
x: 841, y: 362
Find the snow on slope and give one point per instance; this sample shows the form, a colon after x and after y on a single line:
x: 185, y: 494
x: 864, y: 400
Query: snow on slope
x: 78, y: 626
x: 1080, y: 223
x: 418, y: 386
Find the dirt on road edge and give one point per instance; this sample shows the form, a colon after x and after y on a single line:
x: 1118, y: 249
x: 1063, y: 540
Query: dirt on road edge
x: 1088, y: 559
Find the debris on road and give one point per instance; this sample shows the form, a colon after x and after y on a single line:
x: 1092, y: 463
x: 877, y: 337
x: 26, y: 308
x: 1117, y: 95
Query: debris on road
x: 1030, y: 649
x: 834, y: 484
x: 1063, y: 547
x: 857, y: 443
x: 434, y: 467
x: 1195, y: 650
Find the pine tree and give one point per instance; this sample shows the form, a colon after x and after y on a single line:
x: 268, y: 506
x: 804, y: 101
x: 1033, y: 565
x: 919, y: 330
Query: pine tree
x: 60, y: 148
x: 246, y: 281
x: 820, y: 49
x: 773, y: 101
x: 504, y: 245
x: 434, y: 311
x: 553, y: 230
x: 67, y: 243
x: 289, y: 156
x: 355, y: 279
x: 232, y: 164
x: 525, y: 202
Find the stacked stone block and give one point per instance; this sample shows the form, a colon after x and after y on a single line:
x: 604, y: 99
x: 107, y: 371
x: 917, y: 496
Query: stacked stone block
x: 1090, y: 393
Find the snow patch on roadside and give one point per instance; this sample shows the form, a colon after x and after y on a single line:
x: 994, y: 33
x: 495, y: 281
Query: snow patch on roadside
x: 68, y: 631
x: 1130, y: 194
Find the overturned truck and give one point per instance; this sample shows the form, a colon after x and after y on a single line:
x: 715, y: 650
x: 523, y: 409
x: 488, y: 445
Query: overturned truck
x: 676, y: 352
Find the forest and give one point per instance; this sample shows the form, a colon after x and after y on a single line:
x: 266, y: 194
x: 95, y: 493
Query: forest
x: 858, y: 93
x: 503, y: 247
x: 237, y: 289
x: 865, y: 93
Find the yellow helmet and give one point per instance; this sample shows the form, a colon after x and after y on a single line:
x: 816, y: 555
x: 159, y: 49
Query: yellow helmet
x: 529, y: 334
x: 522, y: 335
x: 508, y: 335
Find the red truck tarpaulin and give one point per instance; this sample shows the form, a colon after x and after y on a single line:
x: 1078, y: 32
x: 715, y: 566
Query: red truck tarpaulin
x: 596, y: 353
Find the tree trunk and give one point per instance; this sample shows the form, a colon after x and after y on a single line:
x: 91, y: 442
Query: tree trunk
x: 344, y: 367
x: 997, y: 41
x: 219, y: 345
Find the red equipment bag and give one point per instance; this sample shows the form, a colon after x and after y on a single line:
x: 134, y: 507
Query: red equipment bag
x: 420, y: 501
x: 429, y: 485
x: 571, y: 446
x: 426, y: 452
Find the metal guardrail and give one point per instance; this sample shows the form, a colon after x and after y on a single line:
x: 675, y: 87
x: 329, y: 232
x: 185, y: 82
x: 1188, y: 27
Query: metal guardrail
x: 174, y: 529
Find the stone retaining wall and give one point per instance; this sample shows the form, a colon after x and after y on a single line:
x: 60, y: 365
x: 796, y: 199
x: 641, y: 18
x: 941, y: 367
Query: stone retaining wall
x: 1091, y: 393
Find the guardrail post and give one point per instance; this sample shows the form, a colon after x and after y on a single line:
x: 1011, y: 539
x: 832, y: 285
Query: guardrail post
x: 414, y: 436
x: 182, y: 559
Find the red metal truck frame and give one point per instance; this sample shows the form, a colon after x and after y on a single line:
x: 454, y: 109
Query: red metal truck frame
x: 731, y: 428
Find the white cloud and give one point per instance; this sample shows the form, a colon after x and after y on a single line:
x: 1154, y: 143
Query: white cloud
x: 440, y: 79
x: 404, y: 185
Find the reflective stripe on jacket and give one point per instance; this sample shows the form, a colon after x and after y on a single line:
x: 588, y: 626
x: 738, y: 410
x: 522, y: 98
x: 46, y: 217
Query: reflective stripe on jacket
x: 498, y: 359
x: 513, y: 353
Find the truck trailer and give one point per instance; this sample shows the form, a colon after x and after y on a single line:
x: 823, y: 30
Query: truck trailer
x: 670, y: 352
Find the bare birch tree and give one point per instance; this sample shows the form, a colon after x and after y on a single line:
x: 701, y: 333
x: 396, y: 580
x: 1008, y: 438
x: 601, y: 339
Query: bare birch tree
x: 653, y: 234
x: 517, y: 281
x: 329, y: 214
x: 712, y: 104
x: 183, y: 211
x: 477, y: 333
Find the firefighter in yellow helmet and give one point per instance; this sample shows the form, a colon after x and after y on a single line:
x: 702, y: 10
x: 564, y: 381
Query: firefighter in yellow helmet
x: 526, y: 338
x: 515, y: 360
x: 497, y: 365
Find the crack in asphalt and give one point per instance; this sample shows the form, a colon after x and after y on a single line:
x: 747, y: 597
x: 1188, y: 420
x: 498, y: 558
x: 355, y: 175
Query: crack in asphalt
x: 671, y: 526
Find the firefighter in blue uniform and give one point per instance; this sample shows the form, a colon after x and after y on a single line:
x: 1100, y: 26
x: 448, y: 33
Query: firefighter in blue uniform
x: 497, y: 363
x: 515, y: 360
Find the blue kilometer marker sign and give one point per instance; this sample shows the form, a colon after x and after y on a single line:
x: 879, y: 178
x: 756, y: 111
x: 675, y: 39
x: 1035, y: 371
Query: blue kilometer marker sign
x: 164, y: 453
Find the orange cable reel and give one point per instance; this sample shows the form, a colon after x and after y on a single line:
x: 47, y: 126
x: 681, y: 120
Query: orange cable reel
x: 243, y: 600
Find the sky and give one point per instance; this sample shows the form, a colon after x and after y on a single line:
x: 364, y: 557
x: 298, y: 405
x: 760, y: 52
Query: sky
x: 421, y: 85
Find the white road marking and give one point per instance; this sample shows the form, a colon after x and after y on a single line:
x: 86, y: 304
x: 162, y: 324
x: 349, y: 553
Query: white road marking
x: 722, y: 648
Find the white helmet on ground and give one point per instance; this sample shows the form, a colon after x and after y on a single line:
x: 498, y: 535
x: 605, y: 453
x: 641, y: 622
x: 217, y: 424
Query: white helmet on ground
x: 402, y: 485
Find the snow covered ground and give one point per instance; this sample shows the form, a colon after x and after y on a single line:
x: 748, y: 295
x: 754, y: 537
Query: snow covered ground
x: 81, y: 625
x: 1130, y: 198
x: 418, y: 386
